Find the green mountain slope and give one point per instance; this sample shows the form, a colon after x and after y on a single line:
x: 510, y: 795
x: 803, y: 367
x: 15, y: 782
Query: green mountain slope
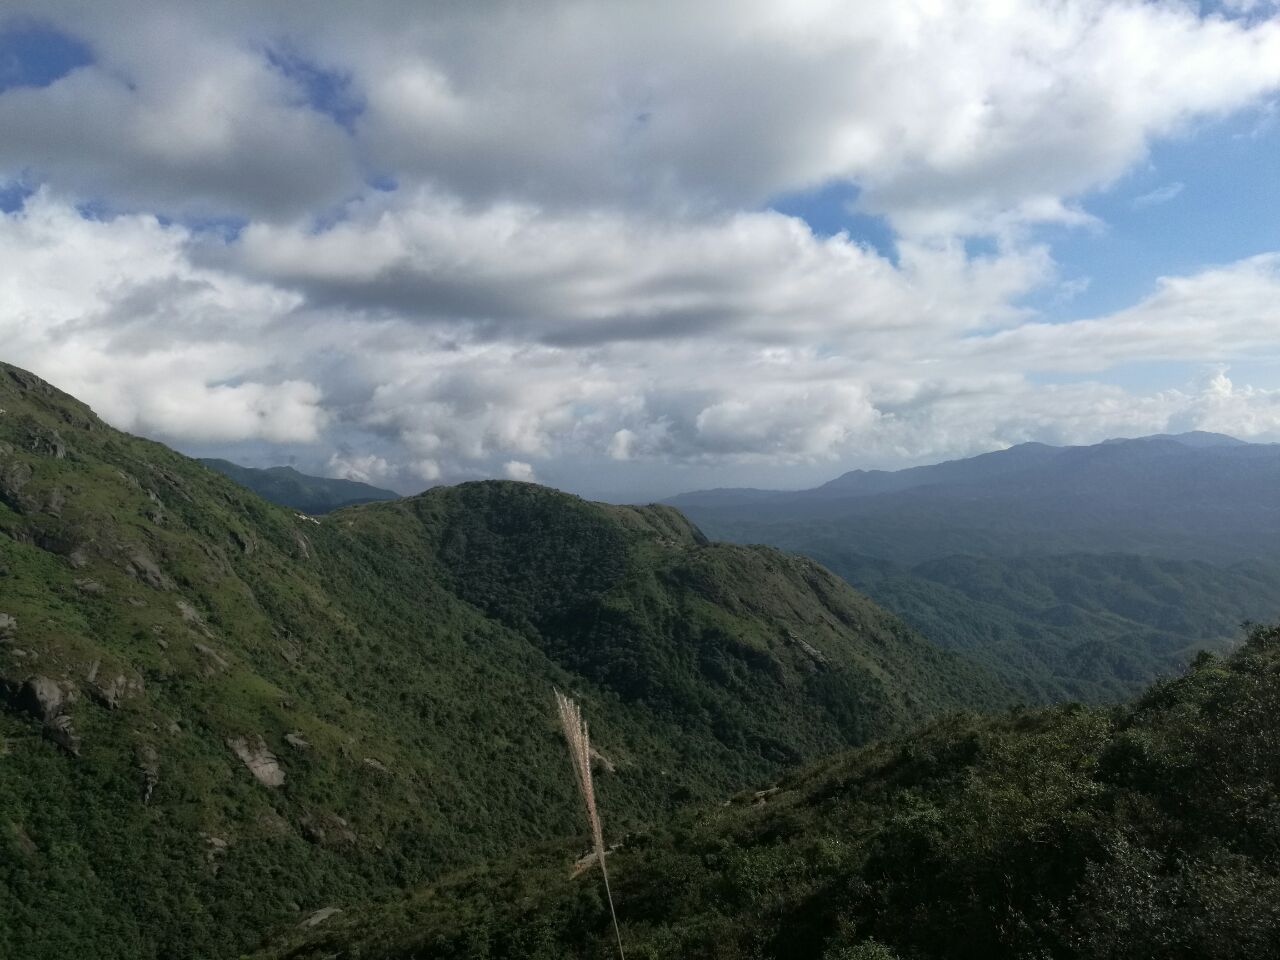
x: 220, y: 715
x: 1090, y: 627
x: 1150, y: 830
x: 288, y: 487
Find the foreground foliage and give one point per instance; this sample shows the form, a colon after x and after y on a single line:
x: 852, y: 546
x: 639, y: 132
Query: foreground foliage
x: 1151, y: 830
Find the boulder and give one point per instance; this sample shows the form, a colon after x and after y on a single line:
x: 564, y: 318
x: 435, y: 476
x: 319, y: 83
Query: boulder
x: 320, y: 916
x: 262, y: 763
x: 41, y: 697
x: 115, y: 691
x: 8, y: 626
x: 61, y: 732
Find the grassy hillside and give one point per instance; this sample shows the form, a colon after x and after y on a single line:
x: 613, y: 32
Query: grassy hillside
x: 221, y: 715
x: 1150, y: 830
x: 288, y: 487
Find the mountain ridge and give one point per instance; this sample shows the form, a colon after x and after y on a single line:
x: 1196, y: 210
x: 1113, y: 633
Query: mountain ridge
x: 291, y: 488
x: 219, y: 714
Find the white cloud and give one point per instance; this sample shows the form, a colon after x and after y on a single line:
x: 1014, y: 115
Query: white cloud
x: 579, y: 266
x: 115, y: 313
x: 949, y: 117
x: 518, y: 470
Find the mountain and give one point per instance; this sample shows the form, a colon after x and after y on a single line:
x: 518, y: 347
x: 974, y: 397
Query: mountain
x: 1075, y: 833
x: 218, y: 715
x: 1089, y: 627
x: 1072, y: 572
x: 286, y: 486
x: 1192, y: 496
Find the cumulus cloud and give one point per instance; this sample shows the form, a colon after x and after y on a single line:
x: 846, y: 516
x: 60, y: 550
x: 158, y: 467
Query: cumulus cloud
x: 571, y: 258
x: 970, y: 116
x: 518, y: 470
x: 515, y: 270
x: 115, y: 312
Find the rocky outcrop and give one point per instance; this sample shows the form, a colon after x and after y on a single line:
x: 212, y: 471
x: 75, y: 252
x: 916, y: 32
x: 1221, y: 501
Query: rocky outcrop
x: 112, y: 693
x: 61, y: 732
x: 297, y: 741
x: 46, y: 700
x: 320, y: 916
x: 8, y: 626
x: 328, y: 830
x: 41, y: 697
x: 149, y: 765
x: 141, y: 567
x: 257, y: 756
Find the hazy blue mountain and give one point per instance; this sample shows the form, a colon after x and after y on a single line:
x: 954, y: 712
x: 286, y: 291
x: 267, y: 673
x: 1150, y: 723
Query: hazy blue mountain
x: 1075, y: 572
x: 1191, y: 496
x: 289, y: 488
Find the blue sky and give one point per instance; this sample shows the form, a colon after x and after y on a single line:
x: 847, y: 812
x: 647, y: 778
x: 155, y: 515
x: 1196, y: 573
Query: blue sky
x: 410, y: 248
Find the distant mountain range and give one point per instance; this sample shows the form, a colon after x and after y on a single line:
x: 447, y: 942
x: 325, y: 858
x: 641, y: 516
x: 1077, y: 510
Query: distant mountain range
x: 1073, y: 571
x: 1198, y: 496
x: 288, y: 487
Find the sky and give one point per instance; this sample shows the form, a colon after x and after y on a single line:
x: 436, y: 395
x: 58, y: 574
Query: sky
x: 632, y: 249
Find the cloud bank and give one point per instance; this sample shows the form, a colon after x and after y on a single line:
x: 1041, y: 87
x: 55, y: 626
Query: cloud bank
x: 422, y: 244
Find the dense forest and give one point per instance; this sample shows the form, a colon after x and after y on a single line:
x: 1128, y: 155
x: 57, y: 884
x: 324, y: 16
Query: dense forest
x: 1148, y: 830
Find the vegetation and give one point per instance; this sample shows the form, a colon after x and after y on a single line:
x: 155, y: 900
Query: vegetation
x: 289, y: 488
x: 1149, y: 830
x: 1072, y: 572
x: 221, y: 716
x: 1090, y: 627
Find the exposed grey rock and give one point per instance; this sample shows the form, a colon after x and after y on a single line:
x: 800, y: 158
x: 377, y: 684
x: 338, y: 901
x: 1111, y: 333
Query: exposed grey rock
x: 8, y: 626
x: 41, y: 697
x: 218, y: 662
x: 48, y: 442
x: 297, y: 741
x: 145, y: 569
x: 329, y: 830
x: 115, y: 691
x: 90, y: 585
x: 262, y: 763
x: 189, y: 613
x: 376, y: 765
x: 601, y: 762
x: 61, y: 732
x: 149, y: 764
x: 56, y: 501
x: 320, y: 916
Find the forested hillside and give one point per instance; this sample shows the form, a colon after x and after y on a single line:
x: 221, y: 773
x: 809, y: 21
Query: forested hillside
x: 288, y: 487
x: 1074, y: 572
x: 220, y: 715
x: 1149, y: 830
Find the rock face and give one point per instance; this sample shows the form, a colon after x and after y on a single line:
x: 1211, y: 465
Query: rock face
x: 61, y: 732
x: 115, y: 691
x: 262, y: 763
x: 41, y: 697
x: 320, y: 916
x: 149, y: 764
x: 8, y: 626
